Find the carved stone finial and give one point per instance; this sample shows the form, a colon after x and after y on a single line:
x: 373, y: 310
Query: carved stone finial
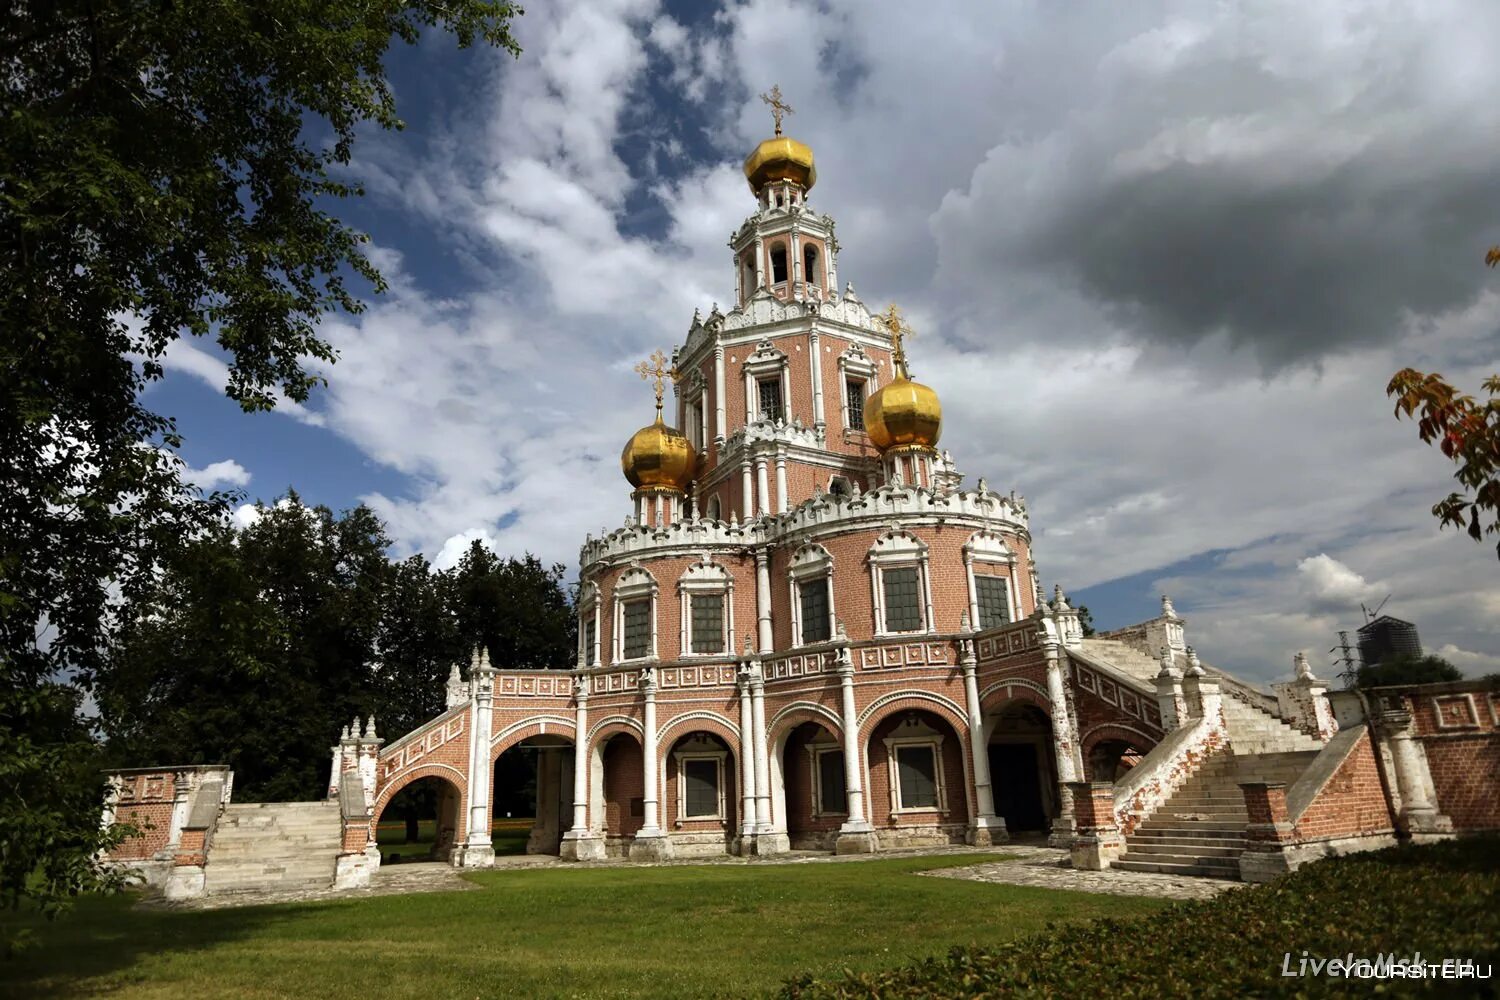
x: 839, y: 629
x: 1302, y: 667
x: 1168, y: 663
x: 484, y: 658
x: 344, y: 735
x: 749, y: 644
x: 1167, y: 611
x: 963, y: 622
x: 984, y: 486
x: 354, y: 728
x: 1195, y: 669
x: 370, y: 728
x: 1059, y: 599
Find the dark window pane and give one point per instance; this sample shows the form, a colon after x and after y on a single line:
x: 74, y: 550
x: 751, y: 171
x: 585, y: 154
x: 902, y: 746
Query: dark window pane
x: 770, y: 398
x: 903, y: 610
x: 855, y: 393
x: 815, y: 625
x: 831, y: 782
x: 637, y: 629
x: 778, y: 265
x: 708, y: 623
x: 590, y: 635
x: 994, y: 603
x: 917, y: 772
x: 702, y: 787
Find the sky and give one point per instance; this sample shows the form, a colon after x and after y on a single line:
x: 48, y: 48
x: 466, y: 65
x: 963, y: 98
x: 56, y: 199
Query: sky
x: 1161, y: 258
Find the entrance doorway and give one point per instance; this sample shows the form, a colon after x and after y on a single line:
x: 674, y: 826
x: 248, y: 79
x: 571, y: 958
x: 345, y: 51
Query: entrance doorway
x: 1016, y: 778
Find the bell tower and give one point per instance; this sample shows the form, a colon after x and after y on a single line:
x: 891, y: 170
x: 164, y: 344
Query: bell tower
x: 783, y: 250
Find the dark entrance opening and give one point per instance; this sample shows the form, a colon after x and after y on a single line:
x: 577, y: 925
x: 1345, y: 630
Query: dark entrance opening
x: 1017, y: 785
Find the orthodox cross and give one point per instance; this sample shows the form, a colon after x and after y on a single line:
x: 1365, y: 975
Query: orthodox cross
x: 657, y: 369
x: 895, y: 323
x: 778, y: 106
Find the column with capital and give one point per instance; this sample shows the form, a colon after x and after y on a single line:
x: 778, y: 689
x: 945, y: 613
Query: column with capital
x: 781, y: 501
x: 719, y: 422
x: 1062, y: 744
x: 476, y: 851
x: 856, y: 836
x: 651, y: 842
x: 1419, y: 818
x: 986, y: 828
x: 747, y: 488
x: 768, y: 838
x: 581, y: 843
x: 747, y: 754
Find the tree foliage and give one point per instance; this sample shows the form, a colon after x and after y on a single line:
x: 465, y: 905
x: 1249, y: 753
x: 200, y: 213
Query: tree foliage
x: 253, y: 646
x: 1427, y: 669
x: 1466, y: 431
x: 164, y: 168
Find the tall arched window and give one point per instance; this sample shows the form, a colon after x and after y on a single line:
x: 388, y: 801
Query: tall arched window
x: 810, y: 266
x: 778, y: 264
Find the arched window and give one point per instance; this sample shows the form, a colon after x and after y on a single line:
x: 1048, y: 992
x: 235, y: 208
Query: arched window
x: 810, y: 266
x: 838, y: 486
x: 778, y: 264
x: 900, y: 585
x: 811, y: 580
x: 747, y: 278
x: 713, y: 509
x: 707, y: 617
x: 991, y: 568
x: 635, y: 616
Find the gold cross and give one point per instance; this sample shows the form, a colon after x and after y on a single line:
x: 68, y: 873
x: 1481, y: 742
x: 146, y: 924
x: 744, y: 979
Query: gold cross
x: 896, y: 323
x: 658, y: 370
x: 778, y: 106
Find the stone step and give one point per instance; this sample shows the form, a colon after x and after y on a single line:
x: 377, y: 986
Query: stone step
x: 1206, y: 838
x: 239, y: 854
x: 238, y: 888
x: 1142, y: 849
x: 1175, y: 825
x: 1173, y: 868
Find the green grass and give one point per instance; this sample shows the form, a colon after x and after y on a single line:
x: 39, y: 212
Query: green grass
x: 507, y: 835
x: 719, y: 931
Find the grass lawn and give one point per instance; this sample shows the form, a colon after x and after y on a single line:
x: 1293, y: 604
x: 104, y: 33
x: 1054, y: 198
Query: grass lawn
x: 712, y: 931
x: 508, y: 835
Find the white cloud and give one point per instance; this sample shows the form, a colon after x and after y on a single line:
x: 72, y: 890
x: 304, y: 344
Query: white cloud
x: 225, y: 473
x: 454, y: 548
x: 1110, y: 231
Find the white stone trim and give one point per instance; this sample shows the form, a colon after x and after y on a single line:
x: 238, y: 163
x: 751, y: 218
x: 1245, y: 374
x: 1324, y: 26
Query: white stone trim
x: 916, y: 695
x: 709, y: 752
x: 611, y: 720
x: 985, y: 546
x: 562, y: 722
x: 767, y: 362
x: 588, y: 611
x: 834, y: 724
x: 855, y: 364
x: 702, y: 578
x: 917, y: 734
x: 633, y: 585
x: 900, y: 550
x: 811, y: 562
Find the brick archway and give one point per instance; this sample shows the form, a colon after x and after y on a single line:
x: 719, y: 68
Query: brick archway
x: 958, y: 763
x: 453, y: 777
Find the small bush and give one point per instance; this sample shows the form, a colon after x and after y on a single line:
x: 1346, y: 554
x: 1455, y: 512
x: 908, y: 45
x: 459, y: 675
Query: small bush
x: 1442, y: 901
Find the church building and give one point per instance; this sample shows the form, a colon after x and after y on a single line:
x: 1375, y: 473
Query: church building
x: 811, y: 633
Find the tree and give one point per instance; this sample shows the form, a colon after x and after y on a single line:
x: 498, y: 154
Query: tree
x: 1407, y: 670
x: 251, y: 648
x: 164, y: 168
x: 1086, y: 619
x: 515, y: 608
x: 1468, y: 432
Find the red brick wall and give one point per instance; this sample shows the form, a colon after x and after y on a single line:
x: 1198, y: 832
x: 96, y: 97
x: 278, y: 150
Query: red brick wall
x: 1352, y: 803
x: 672, y: 791
x: 1466, y: 777
x: 144, y: 801
x: 624, y: 780
x: 955, y: 775
x: 797, y: 776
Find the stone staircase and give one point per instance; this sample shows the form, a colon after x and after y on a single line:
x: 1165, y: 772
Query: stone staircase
x: 1200, y: 829
x: 274, y: 845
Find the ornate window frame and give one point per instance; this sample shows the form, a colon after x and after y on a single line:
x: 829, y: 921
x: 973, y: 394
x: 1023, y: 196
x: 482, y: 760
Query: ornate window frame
x: 698, y: 748
x: 855, y: 365
x: 588, y: 614
x: 990, y: 548
x: 767, y: 362
x: 810, y: 562
x: 815, y: 754
x: 912, y: 732
x: 706, y: 577
x: 897, y: 549
x: 633, y: 585
x: 692, y: 404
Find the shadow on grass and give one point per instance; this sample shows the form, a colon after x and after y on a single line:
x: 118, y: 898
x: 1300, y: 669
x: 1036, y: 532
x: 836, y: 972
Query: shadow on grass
x: 105, y: 936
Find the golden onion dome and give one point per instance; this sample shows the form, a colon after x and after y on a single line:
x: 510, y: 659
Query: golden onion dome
x: 657, y: 457
x: 903, y: 414
x: 780, y: 159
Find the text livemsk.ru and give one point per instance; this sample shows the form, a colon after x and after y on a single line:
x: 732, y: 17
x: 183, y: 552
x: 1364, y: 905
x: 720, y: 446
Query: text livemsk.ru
x: 1387, y: 966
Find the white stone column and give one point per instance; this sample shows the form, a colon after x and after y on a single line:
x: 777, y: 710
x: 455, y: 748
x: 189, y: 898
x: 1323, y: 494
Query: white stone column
x: 760, y: 261
x: 816, y: 359
x: 747, y: 490
x: 1062, y: 743
x: 1420, y: 818
x: 762, y: 485
x: 747, y: 764
x: 781, y: 501
x: 763, y: 600
x: 579, y: 843
x: 856, y: 836
x: 768, y: 839
x: 986, y: 828
x: 751, y: 402
x: 720, y: 431
x: 476, y: 850
x: 651, y: 842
